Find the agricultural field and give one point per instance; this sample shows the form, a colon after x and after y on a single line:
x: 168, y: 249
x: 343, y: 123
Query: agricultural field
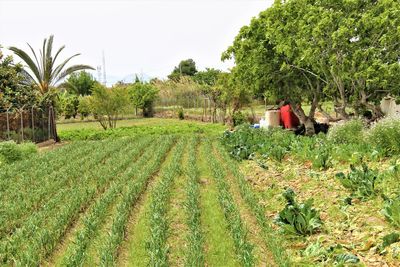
x: 158, y: 200
x: 196, y: 199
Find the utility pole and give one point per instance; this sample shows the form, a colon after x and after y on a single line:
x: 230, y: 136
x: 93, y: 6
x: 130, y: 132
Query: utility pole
x: 104, y: 70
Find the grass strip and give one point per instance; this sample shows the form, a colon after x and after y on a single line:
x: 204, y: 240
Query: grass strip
x: 243, y: 248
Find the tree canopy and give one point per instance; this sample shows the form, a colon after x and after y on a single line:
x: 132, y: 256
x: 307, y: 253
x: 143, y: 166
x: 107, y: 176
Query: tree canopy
x: 79, y: 83
x: 185, y: 68
x: 310, y: 50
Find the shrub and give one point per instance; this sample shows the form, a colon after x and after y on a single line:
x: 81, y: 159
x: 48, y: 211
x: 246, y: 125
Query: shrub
x: 297, y: 218
x: 11, y: 151
x: 385, y: 136
x: 391, y: 210
x: 350, y: 132
x: 239, y: 118
x: 360, y: 181
x: 181, y: 114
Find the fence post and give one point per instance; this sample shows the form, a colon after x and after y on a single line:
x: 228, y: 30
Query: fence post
x: 48, y: 127
x: 22, y: 124
x: 8, y: 124
x: 33, y: 126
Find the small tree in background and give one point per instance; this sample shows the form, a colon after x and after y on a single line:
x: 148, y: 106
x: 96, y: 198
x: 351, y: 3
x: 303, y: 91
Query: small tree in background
x: 143, y: 96
x: 107, y: 104
x: 79, y: 83
x: 185, y: 68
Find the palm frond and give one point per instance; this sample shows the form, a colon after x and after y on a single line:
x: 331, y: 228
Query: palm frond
x: 37, y: 61
x: 25, y: 57
x: 60, y: 67
x: 70, y: 70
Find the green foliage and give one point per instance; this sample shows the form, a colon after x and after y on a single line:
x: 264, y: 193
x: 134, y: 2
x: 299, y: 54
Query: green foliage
x: 208, y: 77
x: 80, y: 84
x: 181, y: 114
x: 107, y: 104
x: 361, y: 181
x: 13, y: 92
x: 68, y: 105
x: 166, y: 128
x: 11, y: 151
x: 322, y: 154
x: 185, y: 68
x: 84, y: 107
x: 239, y: 118
x: 391, y: 210
x: 143, y: 96
x: 350, y: 132
x: 301, y: 219
x: 389, y: 239
x: 385, y: 136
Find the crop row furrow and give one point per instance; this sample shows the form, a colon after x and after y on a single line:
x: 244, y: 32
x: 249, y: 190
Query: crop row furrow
x: 244, y: 249
x: 195, y: 253
x: 135, y: 188
x: 271, y: 240
x: 96, y: 215
x: 157, y: 245
x: 17, y: 215
x: 43, y: 238
x: 18, y: 206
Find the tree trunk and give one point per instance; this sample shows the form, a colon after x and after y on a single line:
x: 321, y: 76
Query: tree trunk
x: 53, y: 124
x: 376, y: 110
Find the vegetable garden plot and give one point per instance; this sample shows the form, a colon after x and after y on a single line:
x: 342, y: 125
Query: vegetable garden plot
x: 77, y: 211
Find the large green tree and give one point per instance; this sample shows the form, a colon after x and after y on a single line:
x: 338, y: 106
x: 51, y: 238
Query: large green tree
x: 309, y: 50
x: 44, y: 73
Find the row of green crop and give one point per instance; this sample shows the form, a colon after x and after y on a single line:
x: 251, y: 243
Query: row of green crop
x: 43, y: 230
x: 157, y: 245
x: 271, y: 240
x: 244, y: 249
x: 195, y: 253
x: 96, y: 215
x: 135, y: 188
x: 25, y: 198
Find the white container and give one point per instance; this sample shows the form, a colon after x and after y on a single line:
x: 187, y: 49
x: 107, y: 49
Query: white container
x: 272, y: 118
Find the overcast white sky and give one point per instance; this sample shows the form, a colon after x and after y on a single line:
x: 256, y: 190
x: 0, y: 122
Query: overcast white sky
x: 137, y: 36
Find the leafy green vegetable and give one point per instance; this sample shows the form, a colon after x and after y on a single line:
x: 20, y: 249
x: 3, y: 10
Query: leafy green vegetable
x: 360, y: 181
x: 346, y: 258
x: 297, y: 218
x: 391, y: 210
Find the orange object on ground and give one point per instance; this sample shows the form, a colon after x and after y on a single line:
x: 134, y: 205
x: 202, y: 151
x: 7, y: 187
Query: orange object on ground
x: 288, y: 118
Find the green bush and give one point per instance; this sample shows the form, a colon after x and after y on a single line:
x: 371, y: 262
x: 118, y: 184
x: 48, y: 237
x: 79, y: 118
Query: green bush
x: 297, y: 218
x: 239, y: 118
x: 360, y: 181
x: 11, y: 151
x: 181, y: 114
x: 391, y: 210
x: 350, y: 132
x: 385, y: 136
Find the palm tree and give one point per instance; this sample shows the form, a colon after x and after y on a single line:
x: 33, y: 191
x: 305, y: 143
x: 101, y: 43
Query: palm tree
x: 44, y: 73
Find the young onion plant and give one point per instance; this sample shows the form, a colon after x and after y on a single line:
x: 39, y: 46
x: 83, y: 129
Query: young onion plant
x: 157, y: 245
x: 271, y: 240
x: 195, y: 253
x: 45, y: 228
x: 134, y: 188
x: 97, y: 213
